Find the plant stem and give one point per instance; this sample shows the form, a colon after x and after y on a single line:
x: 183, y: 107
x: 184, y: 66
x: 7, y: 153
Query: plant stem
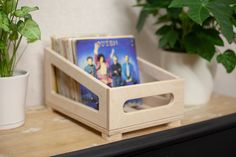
x: 13, y: 58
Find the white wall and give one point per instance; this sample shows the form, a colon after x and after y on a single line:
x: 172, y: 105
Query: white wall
x: 82, y: 17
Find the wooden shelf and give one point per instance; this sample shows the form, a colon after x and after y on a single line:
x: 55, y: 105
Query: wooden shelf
x: 46, y: 133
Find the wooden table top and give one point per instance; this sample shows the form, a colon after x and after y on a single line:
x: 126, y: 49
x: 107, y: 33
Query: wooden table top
x: 47, y: 133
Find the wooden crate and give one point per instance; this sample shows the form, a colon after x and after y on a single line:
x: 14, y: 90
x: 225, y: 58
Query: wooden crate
x: 112, y: 119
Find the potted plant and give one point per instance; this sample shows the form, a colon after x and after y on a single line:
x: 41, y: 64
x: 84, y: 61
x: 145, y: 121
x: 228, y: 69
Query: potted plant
x: 190, y: 32
x: 15, y: 24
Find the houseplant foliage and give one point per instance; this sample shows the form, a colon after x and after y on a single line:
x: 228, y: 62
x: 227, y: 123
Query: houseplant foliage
x: 15, y: 24
x: 193, y: 26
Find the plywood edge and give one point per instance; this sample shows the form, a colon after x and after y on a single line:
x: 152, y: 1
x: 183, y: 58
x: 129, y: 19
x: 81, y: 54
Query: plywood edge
x: 142, y: 85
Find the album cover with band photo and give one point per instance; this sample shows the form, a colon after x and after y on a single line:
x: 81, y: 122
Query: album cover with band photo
x: 112, y: 60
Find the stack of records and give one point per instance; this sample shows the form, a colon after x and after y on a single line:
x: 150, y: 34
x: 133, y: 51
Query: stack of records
x: 112, y: 60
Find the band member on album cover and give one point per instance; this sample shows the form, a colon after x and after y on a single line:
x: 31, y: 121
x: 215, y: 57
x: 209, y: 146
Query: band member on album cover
x: 128, y: 73
x: 89, y: 97
x: 116, y: 73
x: 102, y: 65
x: 90, y: 67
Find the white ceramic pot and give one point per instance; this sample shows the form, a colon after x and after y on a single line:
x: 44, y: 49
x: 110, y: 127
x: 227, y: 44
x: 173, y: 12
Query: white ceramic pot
x: 197, y: 72
x: 12, y: 100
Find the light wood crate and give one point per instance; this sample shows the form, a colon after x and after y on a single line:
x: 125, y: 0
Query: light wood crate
x: 111, y: 119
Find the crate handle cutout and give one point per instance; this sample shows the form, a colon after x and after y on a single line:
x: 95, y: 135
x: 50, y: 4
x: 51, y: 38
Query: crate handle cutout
x: 146, y: 103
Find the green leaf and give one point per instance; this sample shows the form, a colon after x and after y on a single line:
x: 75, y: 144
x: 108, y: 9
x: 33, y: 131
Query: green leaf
x: 141, y: 20
x: 196, y: 43
x: 198, y: 12
x: 233, y: 18
x: 14, y: 33
x: 163, y: 30
x: 9, y: 6
x: 208, y: 22
x: 177, y: 4
x: 24, y: 11
x: 197, y: 9
x: 163, y: 19
x: 228, y: 60
x: 233, y: 21
x: 168, y: 40
x: 174, y: 12
x: 159, y: 3
x: 150, y: 8
x: 4, y: 22
x: 28, y: 16
x: 30, y: 30
x: 20, y: 22
x: 213, y: 36
x: 223, y: 15
x: 226, y: 2
x: 2, y: 45
x: 13, y: 36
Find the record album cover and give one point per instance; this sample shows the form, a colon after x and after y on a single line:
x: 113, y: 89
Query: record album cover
x: 112, y: 60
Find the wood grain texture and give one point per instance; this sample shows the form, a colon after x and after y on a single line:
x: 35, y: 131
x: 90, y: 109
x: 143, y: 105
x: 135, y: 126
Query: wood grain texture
x: 47, y: 133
